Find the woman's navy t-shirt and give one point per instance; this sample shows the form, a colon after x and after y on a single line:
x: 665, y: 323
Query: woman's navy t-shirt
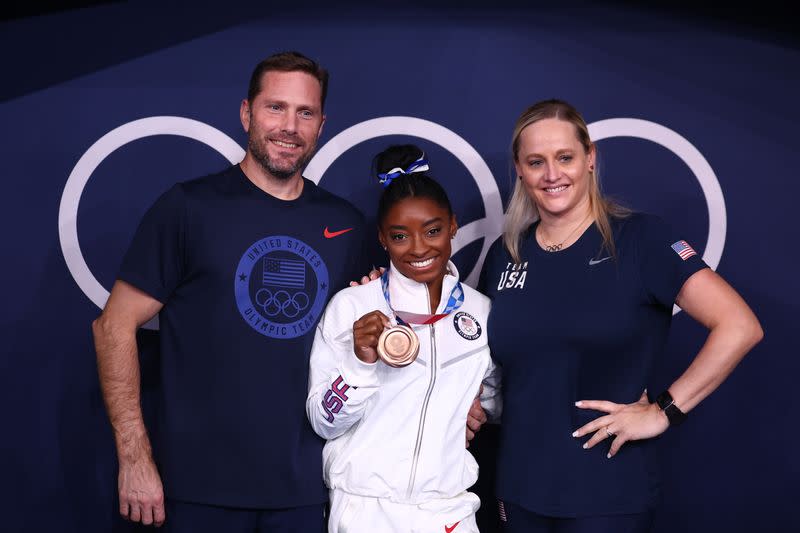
x: 578, y: 324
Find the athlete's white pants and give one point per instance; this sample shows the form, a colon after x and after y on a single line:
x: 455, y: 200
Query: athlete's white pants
x: 356, y: 514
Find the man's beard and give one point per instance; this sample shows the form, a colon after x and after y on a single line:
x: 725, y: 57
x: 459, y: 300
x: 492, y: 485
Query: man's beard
x: 261, y: 155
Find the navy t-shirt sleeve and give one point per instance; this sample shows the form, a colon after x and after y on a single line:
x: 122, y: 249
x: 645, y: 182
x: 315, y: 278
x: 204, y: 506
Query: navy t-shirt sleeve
x: 361, y: 262
x: 667, y: 260
x: 154, y: 262
x: 356, y: 261
x: 492, y: 256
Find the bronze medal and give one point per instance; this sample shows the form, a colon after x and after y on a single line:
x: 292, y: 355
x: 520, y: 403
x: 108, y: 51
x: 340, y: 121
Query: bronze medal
x: 398, y: 346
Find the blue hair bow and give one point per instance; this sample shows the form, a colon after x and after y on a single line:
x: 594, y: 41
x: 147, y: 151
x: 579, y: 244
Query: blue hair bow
x: 420, y: 165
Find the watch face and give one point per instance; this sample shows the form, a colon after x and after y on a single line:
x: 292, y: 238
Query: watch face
x: 667, y: 404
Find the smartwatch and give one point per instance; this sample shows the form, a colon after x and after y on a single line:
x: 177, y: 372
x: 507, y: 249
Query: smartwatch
x: 667, y: 404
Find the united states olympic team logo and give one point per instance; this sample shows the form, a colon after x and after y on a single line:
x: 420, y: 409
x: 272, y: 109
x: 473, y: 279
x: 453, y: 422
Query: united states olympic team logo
x: 281, y: 286
x: 467, y: 326
x: 488, y: 228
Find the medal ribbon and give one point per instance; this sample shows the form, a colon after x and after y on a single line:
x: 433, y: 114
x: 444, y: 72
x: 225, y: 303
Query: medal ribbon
x: 454, y: 301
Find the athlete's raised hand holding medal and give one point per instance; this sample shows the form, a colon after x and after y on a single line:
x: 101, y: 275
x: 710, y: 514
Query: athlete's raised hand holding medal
x: 375, y: 338
x: 366, y: 331
x: 416, y: 232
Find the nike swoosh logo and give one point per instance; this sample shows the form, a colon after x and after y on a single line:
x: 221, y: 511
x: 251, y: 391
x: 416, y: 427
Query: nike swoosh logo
x: 594, y: 262
x: 451, y: 528
x: 332, y: 234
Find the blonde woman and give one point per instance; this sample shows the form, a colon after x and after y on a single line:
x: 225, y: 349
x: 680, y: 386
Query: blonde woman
x: 582, y: 293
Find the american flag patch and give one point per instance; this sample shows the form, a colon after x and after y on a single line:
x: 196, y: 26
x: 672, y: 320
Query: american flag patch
x: 683, y: 249
x: 284, y: 273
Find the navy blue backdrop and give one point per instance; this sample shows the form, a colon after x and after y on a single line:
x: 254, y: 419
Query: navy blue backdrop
x: 708, y: 141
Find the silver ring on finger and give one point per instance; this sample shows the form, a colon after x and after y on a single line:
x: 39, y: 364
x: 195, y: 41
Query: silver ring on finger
x: 609, y: 432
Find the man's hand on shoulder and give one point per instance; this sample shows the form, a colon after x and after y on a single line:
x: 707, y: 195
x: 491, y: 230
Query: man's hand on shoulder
x: 375, y: 273
x: 475, y: 418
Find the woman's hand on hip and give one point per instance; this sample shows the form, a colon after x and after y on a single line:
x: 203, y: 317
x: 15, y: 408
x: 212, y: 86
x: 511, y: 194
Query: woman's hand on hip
x: 622, y: 423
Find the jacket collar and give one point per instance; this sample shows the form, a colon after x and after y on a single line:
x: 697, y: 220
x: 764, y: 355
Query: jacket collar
x: 412, y: 296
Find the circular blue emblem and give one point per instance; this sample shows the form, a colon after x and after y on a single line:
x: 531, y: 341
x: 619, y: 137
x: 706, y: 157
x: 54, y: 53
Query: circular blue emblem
x: 281, y: 287
x: 467, y: 326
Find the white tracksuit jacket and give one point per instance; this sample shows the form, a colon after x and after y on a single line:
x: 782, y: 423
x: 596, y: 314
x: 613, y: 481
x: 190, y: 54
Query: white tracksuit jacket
x: 399, y: 433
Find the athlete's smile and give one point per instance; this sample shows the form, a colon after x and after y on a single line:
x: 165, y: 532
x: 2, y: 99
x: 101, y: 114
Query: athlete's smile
x: 422, y: 264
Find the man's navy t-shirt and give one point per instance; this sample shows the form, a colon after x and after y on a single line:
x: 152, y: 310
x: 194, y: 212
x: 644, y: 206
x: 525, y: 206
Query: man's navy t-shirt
x: 580, y: 324
x: 244, y: 278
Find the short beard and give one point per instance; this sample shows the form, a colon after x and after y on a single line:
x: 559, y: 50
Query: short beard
x: 282, y: 174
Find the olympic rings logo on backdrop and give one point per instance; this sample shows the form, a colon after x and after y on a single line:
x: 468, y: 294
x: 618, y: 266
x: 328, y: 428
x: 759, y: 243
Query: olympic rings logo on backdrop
x: 488, y: 228
x: 88, y: 163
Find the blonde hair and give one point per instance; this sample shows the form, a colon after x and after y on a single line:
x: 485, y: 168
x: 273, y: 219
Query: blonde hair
x: 522, y: 212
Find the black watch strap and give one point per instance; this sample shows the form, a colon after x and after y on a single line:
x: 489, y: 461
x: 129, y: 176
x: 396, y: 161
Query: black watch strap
x: 667, y: 404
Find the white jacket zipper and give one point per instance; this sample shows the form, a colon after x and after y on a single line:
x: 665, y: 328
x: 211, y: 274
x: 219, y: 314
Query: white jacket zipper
x: 423, y: 413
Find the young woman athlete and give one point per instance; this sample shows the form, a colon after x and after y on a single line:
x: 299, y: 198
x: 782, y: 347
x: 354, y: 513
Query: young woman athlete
x: 395, y: 459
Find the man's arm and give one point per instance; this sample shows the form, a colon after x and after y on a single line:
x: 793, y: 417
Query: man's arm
x: 141, y: 495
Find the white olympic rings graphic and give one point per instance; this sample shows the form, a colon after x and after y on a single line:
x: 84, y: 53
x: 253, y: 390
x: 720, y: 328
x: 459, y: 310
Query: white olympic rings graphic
x: 489, y: 227
x: 677, y: 144
x: 88, y: 163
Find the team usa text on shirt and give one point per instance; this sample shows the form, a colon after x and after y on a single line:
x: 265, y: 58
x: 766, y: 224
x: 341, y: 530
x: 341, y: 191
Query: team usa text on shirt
x: 514, y: 276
